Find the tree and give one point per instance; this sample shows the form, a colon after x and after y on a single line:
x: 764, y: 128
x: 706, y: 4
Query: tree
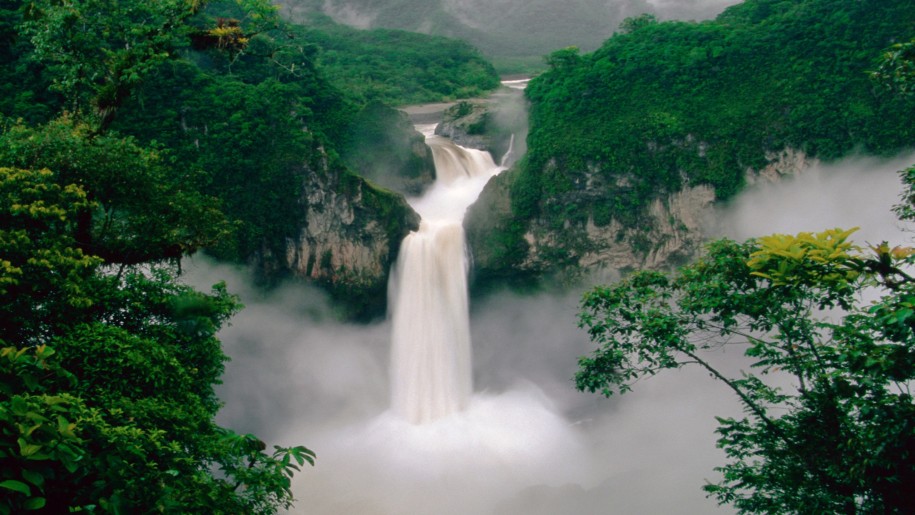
x: 634, y: 23
x: 896, y: 68
x: 140, y: 209
x: 564, y: 58
x: 107, y: 378
x: 841, y: 437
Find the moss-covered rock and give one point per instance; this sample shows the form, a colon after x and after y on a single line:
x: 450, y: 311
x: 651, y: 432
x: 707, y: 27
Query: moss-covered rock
x: 497, y: 124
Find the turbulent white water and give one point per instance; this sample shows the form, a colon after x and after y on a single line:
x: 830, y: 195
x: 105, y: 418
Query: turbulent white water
x: 431, y: 373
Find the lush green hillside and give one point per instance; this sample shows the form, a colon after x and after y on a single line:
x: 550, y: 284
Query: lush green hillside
x: 234, y: 122
x: 397, y: 67
x: 675, y: 104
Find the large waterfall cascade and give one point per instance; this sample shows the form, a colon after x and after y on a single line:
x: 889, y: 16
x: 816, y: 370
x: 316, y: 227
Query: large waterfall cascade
x: 431, y: 374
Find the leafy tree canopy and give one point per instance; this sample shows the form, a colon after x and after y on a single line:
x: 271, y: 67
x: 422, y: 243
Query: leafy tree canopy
x: 828, y: 424
x: 109, y: 377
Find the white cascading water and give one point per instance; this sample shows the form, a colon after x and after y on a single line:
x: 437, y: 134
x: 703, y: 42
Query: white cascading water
x: 431, y: 373
x: 437, y: 446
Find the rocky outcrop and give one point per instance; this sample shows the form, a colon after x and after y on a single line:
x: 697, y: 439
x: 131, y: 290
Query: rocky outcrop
x: 466, y: 123
x: 497, y: 124
x: 671, y: 235
x: 668, y: 232
x: 351, y: 234
x: 787, y: 162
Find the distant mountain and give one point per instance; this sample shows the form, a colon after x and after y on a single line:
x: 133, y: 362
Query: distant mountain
x: 505, y: 29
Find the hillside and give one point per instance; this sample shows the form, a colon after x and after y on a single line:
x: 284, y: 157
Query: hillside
x: 627, y: 143
x: 394, y: 66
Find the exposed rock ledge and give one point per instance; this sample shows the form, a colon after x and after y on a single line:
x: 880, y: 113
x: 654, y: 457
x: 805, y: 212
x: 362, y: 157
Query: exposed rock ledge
x: 670, y: 233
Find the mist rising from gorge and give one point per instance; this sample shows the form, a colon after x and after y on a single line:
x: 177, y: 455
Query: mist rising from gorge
x: 855, y: 192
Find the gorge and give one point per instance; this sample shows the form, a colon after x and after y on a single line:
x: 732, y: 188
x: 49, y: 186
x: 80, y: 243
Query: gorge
x: 528, y: 443
x: 519, y: 441
x: 227, y: 242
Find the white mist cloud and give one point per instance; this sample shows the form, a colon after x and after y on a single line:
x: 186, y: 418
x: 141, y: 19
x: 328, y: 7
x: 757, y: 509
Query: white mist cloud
x: 529, y: 443
x: 690, y: 9
x: 855, y: 192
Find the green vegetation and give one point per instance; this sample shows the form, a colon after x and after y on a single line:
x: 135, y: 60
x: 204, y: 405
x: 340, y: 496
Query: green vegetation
x: 397, y: 67
x: 133, y: 134
x: 828, y: 425
x: 108, y: 380
x: 666, y: 105
x: 837, y: 436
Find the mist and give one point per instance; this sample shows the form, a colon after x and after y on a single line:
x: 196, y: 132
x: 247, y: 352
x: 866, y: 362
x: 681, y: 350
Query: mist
x: 855, y: 192
x: 502, y: 28
x: 529, y: 443
x: 689, y: 9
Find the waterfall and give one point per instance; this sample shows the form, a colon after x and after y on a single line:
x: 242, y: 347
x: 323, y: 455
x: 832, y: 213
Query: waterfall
x: 508, y: 153
x: 431, y: 374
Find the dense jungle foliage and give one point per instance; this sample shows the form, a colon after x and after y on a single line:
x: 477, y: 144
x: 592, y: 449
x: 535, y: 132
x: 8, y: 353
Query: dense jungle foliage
x: 395, y: 66
x: 661, y: 106
x: 133, y: 134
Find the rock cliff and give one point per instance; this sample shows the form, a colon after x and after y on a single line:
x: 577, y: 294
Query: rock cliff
x: 351, y: 234
x: 669, y: 230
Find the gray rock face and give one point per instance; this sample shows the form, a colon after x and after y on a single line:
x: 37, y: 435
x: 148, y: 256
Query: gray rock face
x: 497, y: 124
x: 350, y: 238
x: 670, y: 231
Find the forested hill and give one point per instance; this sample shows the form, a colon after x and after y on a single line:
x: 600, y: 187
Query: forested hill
x: 395, y: 66
x: 662, y: 111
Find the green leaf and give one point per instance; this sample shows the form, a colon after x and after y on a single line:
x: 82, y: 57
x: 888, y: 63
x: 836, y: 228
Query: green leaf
x: 33, y: 477
x: 16, y: 486
x: 28, y: 449
x: 19, y: 406
x: 35, y: 503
